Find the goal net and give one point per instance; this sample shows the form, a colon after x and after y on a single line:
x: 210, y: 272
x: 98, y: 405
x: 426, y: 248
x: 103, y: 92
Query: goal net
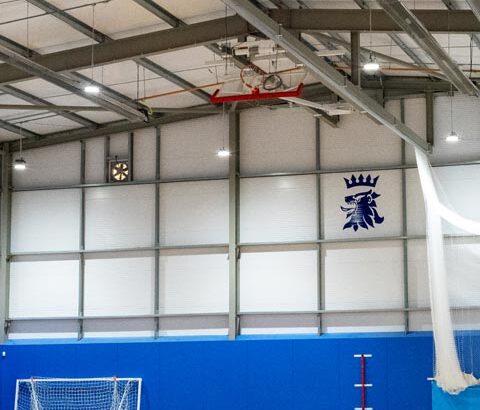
x: 78, y: 394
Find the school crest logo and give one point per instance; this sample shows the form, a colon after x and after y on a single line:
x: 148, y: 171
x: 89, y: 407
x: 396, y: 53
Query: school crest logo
x: 361, y: 207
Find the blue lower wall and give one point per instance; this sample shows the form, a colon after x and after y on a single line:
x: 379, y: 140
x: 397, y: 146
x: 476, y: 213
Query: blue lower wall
x: 249, y: 373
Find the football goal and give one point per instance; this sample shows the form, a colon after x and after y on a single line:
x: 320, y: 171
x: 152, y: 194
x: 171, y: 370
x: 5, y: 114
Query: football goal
x: 78, y: 394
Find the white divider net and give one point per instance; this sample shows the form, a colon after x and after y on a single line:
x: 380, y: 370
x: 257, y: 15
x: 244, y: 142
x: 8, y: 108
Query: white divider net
x: 449, y: 374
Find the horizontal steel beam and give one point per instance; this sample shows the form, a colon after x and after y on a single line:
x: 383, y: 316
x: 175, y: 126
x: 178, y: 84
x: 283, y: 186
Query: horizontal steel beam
x: 204, y: 33
x: 414, y: 85
x: 253, y: 313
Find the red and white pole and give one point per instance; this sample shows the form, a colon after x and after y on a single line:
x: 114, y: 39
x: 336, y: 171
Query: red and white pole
x: 363, y: 385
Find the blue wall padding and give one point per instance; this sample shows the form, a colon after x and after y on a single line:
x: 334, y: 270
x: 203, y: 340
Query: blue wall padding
x: 467, y: 400
x: 303, y: 373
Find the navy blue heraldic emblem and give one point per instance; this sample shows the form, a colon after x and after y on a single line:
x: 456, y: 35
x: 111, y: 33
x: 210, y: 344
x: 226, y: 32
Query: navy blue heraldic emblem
x: 361, y: 207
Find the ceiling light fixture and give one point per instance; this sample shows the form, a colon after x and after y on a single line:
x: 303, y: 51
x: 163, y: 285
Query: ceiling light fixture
x: 223, y: 153
x: 371, y: 66
x: 452, y: 137
x: 19, y: 164
x: 91, y: 89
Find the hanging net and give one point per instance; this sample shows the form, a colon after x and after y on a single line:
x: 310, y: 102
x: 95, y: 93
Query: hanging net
x: 453, y: 254
x: 78, y: 394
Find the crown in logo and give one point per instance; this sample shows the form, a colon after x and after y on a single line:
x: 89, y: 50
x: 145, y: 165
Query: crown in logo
x: 361, y: 181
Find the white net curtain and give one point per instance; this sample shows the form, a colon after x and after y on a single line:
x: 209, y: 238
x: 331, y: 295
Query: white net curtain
x: 453, y: 254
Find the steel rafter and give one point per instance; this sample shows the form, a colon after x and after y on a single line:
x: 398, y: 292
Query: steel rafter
x: 99, y: 37
x: 27, y: 65
x: 420, y: 34
x: 397, y: 40
x: 76, y: 24
x: 24, y: 133
x: 206, y: 32
x: 328, y: 75
x: 18, y: 93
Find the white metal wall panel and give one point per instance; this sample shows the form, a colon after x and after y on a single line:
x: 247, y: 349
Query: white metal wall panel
x: 278, y: 209
x: 420, y: 321
x: 193, y: 213
x: 418, y: 286
x: 94, y: 160
x: 358, y: 142
x: 120, y: 217
x: 462, y: 256
x: 197, y: 325
x: 415, y: 204
x: 364, y: 322
x: 45, y: 220
x: 278, y: 281
x: 458, y: 189
x: 144, y: 154
x: 194, y: 283
x: 276, y: 140
x: 334, y: 196
x: 119, y: 145
x: 466, y: 123
x: 416, y: 119
x: 363, y: 275
x: 119, y: 286
x: 137, y: 327
x: 279, y: 324
x: 44, y: 288
x: 189, y: 148
x: 43, y: 329
x: 49, y: 166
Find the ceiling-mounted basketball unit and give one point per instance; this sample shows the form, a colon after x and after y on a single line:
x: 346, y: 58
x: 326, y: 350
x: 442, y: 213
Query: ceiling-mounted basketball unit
x: 255, y: 84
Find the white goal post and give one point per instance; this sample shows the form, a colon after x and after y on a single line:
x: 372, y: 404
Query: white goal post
x: 101, y: 393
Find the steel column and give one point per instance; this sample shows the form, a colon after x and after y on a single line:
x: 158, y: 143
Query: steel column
x: 355, y: 53
x: 81, y: 245
x: 131, y: 148
x: 406, y: 317
x: 106, y: 158
x: 5, y: 220
x: 156, y: 302
x: 320, y: 277
x: 429, y: 117
x: 233, y: 222
x: 330, y: 77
